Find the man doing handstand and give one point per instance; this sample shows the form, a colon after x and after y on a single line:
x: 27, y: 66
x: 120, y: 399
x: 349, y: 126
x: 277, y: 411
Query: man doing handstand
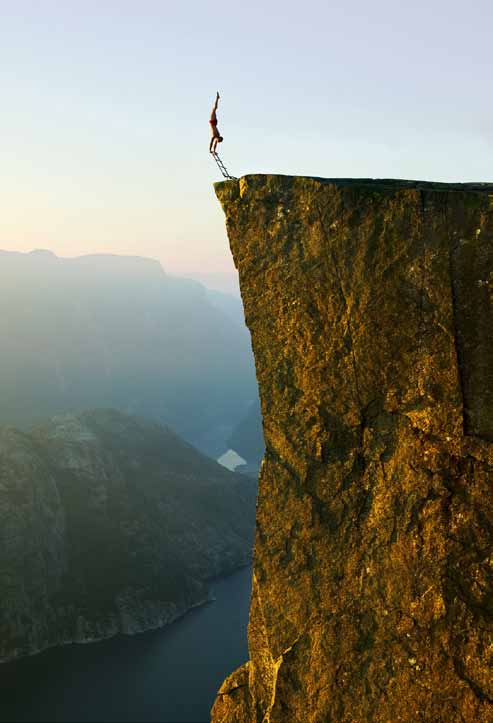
x: 216, y: 136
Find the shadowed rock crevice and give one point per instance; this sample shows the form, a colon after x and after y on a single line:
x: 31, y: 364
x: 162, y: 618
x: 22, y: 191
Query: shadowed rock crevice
x: 472, y: 292
x: 369, y: 305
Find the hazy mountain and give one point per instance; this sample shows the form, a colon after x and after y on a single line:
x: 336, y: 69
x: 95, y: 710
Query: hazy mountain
x: 110, y: 524
x: 247, y: 438
x: 117, y: 331
x: 230, y: 305
x: 225, y: 281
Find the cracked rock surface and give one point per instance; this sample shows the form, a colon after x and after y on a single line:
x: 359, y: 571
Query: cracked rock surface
x: 370, y: 307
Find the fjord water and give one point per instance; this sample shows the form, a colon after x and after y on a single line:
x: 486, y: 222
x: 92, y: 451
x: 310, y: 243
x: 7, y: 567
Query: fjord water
x: 169, y: 675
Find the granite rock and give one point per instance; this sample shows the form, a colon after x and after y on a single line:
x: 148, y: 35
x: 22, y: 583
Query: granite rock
x: 370, y: 309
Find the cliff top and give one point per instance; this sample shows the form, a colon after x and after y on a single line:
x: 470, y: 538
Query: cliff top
x: 384, y: 183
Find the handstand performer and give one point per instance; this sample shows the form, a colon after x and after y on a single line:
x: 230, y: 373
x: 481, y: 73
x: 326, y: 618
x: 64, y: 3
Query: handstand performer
x: 216, y: 136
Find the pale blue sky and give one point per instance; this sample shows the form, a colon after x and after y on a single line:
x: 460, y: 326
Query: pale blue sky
x: 104, y: 123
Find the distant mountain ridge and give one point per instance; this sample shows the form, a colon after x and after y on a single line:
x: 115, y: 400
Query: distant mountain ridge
x: 110, y: 524
x: 225, y: 282
x: 116, y: 331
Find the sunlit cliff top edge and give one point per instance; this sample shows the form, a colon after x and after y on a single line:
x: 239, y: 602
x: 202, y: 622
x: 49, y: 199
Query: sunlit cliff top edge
x: 262, y: 179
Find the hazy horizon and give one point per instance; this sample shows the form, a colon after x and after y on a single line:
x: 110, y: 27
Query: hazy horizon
x: 224, y: 281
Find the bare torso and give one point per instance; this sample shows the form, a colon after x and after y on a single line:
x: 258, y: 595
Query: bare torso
x: 213, y: 123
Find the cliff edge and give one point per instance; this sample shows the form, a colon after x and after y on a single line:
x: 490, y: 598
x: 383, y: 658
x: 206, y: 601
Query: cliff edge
x: 370, y: 309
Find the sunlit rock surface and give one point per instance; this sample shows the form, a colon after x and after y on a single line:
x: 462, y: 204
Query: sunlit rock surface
x: 110, y: 524
x: 370, y: 308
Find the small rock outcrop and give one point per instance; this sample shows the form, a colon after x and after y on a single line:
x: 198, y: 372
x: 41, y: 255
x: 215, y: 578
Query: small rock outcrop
x: 110, y: 524
x: 370, y: 305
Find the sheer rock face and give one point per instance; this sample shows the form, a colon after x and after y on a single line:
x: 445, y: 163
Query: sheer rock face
x: 370, y: 307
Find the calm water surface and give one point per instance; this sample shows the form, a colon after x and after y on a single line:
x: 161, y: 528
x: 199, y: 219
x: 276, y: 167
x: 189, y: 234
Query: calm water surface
x: 169, y: 675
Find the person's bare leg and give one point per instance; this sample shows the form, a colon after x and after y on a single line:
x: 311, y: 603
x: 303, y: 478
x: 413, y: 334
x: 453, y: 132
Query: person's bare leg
x: 214, y: 108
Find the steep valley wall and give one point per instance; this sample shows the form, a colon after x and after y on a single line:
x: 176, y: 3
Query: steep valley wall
x: 370, y: 309
x: 110, y: 524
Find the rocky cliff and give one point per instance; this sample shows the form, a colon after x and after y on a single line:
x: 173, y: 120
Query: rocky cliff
x: 370, y: 308
x: 110, y: 524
